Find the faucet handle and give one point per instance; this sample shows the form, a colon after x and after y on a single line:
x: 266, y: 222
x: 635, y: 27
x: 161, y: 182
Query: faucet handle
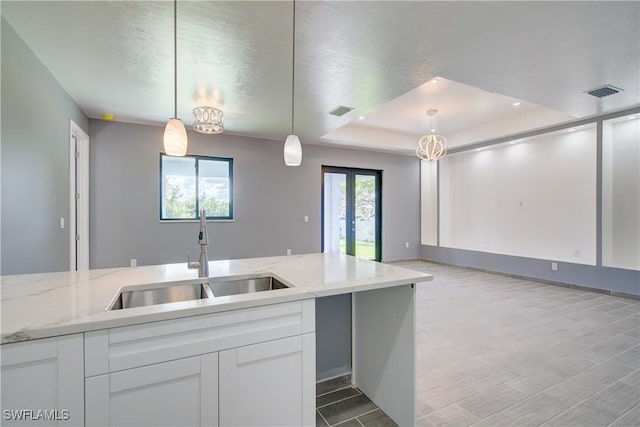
x: 192, y: 265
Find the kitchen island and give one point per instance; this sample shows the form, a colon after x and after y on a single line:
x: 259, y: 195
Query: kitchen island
x: 197, y: 336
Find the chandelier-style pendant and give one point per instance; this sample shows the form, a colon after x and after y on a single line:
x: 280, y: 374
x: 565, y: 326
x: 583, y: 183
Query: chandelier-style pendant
x: 432, y: 147
x: 208, y: 120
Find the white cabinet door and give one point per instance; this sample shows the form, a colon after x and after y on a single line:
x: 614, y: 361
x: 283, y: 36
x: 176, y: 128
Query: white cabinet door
x: 269, y: 384
x: 181, y: 392
x: 42, y: 382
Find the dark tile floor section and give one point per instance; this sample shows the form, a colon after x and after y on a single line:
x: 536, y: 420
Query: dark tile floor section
x: 348, y: 407
x: 333, y: 384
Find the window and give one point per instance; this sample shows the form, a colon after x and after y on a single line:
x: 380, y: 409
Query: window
x: 191, y: 183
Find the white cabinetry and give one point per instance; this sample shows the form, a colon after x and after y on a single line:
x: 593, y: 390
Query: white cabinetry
x: 268, y: 384
x: 180, y: 392
x: 42, y: 382
x: 261, y: 360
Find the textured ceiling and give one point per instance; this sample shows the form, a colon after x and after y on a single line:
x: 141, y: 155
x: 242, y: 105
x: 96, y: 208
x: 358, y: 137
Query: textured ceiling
x: 116, y: 57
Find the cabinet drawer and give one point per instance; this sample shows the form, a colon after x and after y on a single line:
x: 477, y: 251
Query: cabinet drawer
x: 132, y: 346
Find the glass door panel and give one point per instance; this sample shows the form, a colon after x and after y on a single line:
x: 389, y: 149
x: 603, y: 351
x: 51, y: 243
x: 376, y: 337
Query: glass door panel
x: 335, y: 202
x: 365, y: 216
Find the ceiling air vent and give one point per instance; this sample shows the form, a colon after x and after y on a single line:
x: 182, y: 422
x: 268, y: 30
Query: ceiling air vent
x: 340, y: 110
x: 603, y: 91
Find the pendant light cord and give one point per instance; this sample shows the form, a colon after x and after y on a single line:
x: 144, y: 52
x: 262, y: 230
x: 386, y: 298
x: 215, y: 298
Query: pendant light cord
x: 293, y: 68
x: 175, y: 59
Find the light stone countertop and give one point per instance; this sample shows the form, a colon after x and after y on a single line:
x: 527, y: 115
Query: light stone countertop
x: 50, y: 304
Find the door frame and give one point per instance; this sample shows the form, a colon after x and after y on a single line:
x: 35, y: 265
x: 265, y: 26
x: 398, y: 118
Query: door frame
x: 351, y: 173
x: 78, y: 207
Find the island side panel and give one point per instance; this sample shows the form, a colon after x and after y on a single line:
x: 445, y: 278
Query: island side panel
x: 385, y: 350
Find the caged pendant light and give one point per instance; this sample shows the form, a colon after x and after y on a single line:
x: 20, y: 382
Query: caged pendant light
x: 292, y: 145
x: 175, y: 134
x: 208, y: 120
x: 432, y: 146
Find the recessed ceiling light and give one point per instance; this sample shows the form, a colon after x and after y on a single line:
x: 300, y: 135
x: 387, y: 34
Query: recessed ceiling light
x: 516, y: 104
x: 433, y: 81
x: 433, y: 129
x: 361, y: 117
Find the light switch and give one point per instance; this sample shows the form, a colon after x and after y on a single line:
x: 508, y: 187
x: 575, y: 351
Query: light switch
x: 306, y: 218
x: 62, y: 223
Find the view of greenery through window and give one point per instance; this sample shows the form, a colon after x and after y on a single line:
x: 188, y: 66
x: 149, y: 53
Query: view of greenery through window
x: 365, y: 211
x: 184, y: 177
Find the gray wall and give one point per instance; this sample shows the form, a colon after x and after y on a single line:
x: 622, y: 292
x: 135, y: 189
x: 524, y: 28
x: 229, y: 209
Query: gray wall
x: 613, y: 279
x: 333, y: 336
x: 270, y: 199
x: 270, y: 202
x: 35, y: 161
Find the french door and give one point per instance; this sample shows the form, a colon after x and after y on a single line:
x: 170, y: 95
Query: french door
x: 352, y: 212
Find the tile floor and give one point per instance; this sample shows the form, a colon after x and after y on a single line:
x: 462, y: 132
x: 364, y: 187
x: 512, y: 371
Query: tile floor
x: 348, y: 407
x: 499, y: 351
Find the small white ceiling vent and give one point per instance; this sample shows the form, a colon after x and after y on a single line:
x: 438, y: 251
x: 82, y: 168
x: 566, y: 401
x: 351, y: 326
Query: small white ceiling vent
x: 340, y: 110
x: 605, y: 90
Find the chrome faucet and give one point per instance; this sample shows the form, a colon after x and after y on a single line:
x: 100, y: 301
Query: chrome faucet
x: 203, y: 271
x: 203, y: 263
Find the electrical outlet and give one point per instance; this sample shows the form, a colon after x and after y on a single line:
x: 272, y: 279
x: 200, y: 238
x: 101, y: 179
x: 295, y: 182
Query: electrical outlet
x: 288, y: 251
x: 306, y: 218
x: 554, y: 266
x: 134, y: 262
x: 61, y: 223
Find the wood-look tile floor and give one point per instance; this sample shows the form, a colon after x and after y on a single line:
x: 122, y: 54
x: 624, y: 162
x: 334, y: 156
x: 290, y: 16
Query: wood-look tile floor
x: 499, y: 351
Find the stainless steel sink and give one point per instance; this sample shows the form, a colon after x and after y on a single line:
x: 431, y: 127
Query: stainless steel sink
x: 145, y: 295
x: 142, y: 296
x: 224, y: 287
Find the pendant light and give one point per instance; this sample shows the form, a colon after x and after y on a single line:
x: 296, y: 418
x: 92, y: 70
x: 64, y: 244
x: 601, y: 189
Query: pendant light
x: 432, y: 146
x: 208, y: 120
x: 292, y: 146
x: 175, y: 134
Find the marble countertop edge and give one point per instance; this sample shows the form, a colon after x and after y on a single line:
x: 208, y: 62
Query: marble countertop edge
x: 76, y: 302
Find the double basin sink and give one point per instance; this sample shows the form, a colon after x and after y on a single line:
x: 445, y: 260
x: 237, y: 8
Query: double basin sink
x: 144, y: 295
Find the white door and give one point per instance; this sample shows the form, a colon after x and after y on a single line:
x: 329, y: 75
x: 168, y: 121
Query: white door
x: 78, y: 198
x: 269, y: 384
x: 181, y: 392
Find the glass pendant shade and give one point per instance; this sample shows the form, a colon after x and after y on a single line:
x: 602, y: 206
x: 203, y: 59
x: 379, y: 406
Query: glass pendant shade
x: 175, y: 138
x: 292, y: 145
x: 292, y: 151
